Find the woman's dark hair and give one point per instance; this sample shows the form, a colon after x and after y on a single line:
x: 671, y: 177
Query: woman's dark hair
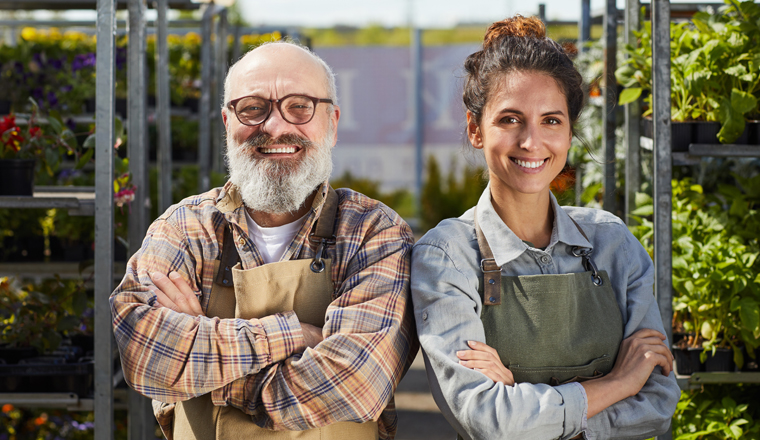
x: 519, y: 44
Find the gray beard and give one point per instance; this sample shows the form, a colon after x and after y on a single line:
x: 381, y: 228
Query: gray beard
x: 279, y: 186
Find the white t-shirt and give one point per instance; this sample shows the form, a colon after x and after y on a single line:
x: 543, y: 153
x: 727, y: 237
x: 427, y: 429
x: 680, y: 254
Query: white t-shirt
x: 272, y: 242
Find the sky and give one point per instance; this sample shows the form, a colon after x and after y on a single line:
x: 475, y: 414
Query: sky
x: 425, y: 13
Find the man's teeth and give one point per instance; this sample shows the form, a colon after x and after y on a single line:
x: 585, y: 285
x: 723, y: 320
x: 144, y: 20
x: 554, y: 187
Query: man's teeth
x: 525, y: 164
x: 278, y: 150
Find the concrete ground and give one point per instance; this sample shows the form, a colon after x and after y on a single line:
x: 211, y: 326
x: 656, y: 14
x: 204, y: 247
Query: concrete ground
x: 418, y: 415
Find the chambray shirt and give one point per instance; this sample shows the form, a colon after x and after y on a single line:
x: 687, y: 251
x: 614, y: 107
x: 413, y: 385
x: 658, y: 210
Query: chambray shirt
x: 447, y: 307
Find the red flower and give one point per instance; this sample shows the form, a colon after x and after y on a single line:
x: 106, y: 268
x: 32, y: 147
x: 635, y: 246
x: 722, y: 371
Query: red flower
x: 34, y: 131
x: 7, y: 123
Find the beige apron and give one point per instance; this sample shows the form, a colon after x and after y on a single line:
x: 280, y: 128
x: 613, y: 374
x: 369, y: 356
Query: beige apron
x: 304, y: 286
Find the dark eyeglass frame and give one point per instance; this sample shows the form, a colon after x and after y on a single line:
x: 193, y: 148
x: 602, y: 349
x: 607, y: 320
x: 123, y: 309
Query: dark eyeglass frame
x: 277, y: 103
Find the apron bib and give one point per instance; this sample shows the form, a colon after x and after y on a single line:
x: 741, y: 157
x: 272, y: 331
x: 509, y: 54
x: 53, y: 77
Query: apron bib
x: 551, y: 329
x: 304, y: 286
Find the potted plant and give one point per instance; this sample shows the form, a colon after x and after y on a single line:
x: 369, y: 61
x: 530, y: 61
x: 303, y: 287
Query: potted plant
x: 42, y: 321
x: 715, y: 75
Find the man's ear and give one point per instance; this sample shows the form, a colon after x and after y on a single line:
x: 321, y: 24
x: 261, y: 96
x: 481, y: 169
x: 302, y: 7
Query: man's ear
x: 224, y: 118
x: 335, y: 117
x: 473, y: 132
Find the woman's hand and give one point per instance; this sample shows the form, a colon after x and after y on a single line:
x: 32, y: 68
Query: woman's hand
x: 637, y: 357
x: 174, y: 292
x: 486, y: 360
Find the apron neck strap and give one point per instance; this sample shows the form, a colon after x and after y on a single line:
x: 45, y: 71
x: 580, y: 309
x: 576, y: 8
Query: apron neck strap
x: 585, y: 254
x: 491, y: 270
x: 324, y: 231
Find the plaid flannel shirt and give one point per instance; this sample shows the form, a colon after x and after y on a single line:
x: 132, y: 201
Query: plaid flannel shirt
x: 262, y: 366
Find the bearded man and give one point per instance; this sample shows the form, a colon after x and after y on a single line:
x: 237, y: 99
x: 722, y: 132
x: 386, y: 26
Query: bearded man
x: 274, y: 307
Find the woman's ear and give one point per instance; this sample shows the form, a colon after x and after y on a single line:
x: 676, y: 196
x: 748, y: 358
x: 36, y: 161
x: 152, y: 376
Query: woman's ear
x: 473, y: 132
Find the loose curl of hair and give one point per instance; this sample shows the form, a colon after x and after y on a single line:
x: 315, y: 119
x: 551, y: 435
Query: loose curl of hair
x: 519, y: 44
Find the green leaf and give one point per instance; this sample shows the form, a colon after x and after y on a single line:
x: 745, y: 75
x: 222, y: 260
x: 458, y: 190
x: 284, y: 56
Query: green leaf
x: 644, y: 210
x: 742, y: 102
x: 68, y: 323
x: 55, y: 124
x: 85, y: 158
x: 89, y: 142
x: 629, y: 95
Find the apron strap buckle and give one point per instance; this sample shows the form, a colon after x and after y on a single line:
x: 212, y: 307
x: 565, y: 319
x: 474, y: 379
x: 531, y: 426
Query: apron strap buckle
x: 588, y: 264
x: 318, y: 266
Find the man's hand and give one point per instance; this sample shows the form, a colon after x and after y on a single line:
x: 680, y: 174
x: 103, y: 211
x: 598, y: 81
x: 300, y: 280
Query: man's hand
x: 311, y: 334
x: 174, y: 292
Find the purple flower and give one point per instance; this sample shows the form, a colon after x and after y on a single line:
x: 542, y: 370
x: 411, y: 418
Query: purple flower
x: 52, y: 99
x: 83, y: 60
x: 56, y: 64
x: 121, y: 57
x: 37, y: 93
x: 70, y: 122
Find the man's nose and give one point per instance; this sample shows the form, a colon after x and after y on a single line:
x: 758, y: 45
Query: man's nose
x: 276, y: 125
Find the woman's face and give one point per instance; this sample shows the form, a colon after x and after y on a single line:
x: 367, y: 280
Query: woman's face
x: 525, y: 133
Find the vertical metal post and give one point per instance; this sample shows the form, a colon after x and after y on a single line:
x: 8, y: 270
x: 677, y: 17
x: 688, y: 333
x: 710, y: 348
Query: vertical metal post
x: 204, y: 106
x: 632, y: 119
x: 220, y: 70
x: 417, y: 114
x: 104, y: 238
x: 542, y: 12
x: 584, y: 25
x: 141, y: 424
x: 662, y: 162
x: 236, y: 44
x: 163, y: 108
x: 663, y: 169
x: 610, y: 99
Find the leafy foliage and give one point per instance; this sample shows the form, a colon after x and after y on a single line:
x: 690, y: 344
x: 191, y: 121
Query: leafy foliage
x: 442, y: 199
x: 716, y: 271
x: 715, y: 68
x: 718, y: 412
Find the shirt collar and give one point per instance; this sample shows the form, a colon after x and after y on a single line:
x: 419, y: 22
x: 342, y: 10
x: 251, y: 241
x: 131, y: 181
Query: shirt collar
x: 506, y: 246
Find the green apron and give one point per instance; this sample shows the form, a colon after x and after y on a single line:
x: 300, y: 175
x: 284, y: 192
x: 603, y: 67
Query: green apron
x: 551, y: 329
x: 304, y: 286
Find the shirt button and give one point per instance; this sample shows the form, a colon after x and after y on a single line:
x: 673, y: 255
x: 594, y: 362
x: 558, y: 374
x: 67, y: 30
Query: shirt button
x: 242, y: 241
x: 545, y: 259
x: 424, y: 316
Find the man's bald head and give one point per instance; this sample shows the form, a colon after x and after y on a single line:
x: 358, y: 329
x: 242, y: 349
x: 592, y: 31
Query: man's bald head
x: 286, y: 49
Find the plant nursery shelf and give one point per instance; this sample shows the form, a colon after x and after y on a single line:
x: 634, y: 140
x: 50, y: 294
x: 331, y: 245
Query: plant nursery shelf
x: 696, y: 380
x: 69, y: 401
x: 78, y: 200
x: 719, y: 150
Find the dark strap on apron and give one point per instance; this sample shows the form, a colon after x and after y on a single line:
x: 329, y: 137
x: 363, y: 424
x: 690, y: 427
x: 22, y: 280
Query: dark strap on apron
x: 323, y: 234
x: 492, y: 271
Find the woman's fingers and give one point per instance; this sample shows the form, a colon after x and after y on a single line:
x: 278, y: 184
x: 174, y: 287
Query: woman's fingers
x: 486, y: 360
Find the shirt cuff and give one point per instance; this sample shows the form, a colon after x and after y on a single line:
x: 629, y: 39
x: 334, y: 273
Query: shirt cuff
x: 576, y: 409
x: 284, y: 336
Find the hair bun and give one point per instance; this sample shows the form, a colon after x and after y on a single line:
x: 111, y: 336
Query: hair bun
x: 517, y: 26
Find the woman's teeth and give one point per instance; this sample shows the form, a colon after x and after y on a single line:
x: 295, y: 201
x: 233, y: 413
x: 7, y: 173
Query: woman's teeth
x: 278, y: 150
x: 525, y: 164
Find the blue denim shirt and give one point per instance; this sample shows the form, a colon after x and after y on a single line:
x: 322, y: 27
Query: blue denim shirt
x: 447, y: 307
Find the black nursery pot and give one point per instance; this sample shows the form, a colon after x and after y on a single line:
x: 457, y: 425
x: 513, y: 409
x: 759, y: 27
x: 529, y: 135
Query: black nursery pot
x: 687, y: 361
x: 723, y: 360
x: 16, y: 177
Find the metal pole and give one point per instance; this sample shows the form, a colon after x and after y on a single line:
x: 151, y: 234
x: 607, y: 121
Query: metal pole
x: 632, y: 119
x: 163, y: 106
x: 141, y: 425
x: 584, y: 25
x: 663, y: 172
x: 416, y: 60
x: 104, y: 238
x: 220, y: 70
x: 610, y: 98
x: 204, y: 106
x: 236, y: 44
x: 542, y: 12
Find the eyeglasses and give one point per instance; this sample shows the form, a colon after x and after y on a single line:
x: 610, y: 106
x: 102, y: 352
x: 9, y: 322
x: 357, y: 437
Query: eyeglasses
x: 296, y: 109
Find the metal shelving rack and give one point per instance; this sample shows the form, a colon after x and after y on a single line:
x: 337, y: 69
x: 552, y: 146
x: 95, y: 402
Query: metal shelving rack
x: 100, y: 202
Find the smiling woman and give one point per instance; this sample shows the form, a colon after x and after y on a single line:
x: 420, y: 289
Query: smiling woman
x: 537, y: 321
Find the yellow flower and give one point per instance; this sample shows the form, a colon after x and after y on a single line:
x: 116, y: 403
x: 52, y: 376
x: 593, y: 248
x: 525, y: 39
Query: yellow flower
x: 28, y: 33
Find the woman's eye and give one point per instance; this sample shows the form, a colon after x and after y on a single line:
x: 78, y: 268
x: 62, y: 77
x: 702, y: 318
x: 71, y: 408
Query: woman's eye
x: 553, y: 121
x: 509, y: 120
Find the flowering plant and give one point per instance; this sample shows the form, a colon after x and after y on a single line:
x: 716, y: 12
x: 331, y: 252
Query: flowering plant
x: 47, y: 147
